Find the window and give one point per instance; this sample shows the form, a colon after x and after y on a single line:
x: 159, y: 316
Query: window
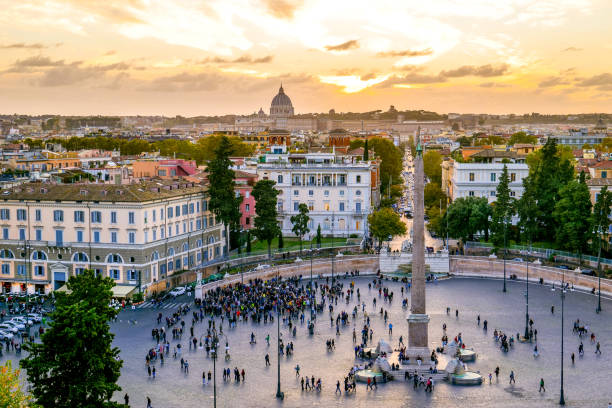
x: 59, y: 237
x: 493, y: 176
x: 358, y: 179
x: 296, y: 205
x: 58, y: 216
x: 114, y: 237
x: 358, y: 192
x: 161, y: 213
x: 131, y: 237
x: 341, y: 192
x: 162, y: 232
x: 170, y: 266
x: 471, y: 193
x: 358, y: 207
x: 247, y: 207
x: 5, y: 214
x: 22, y: 236
x: 38, y: 234
x: 6, y: 254
x: 169, y: 230
x: 493, y: 193
x: 341, y: 206
x: 79, y: 216
x: 96, y: 236
x: 296, y: 192
x: 39, y: 270
x: 6, y: 269
x: 326, y: 206
x: 198, y: 224
x: 21, y: 269
x: 177, y: 210
x: 604, y: 174
x: 21, y: 214
x: 79, y: 235
x: 185, y: 211
x: 132, y: 274
x: 247, y: 194
x: 155, y: 234
x: 114, y: 274
x: 471, y: 176
x: 37, y: 215
x: 311, y: 192
x: 114, y: 258
x: 80, y: 257
x: 146, y: 236
x: 247, y: 221
x: 131, y: 218
x: 176, y: 229
x: 311, y: 206
x: 512, y: 177
x: 512, y: 193
x: 190, y: 208
x: 184, y: 227
x: 326, y: 193
x: 96, y: 217
x: 39, y: 256
x: 205, y: 205
x: 78, y: 271
x: 113, y: 217
x: 5, y: 233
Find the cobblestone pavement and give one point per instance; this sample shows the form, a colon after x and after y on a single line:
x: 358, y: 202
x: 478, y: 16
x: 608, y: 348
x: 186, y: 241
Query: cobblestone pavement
x: 586, y: 382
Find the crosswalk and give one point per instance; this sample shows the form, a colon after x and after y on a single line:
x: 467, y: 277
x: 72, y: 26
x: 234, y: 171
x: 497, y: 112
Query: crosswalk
x: 149, y: 305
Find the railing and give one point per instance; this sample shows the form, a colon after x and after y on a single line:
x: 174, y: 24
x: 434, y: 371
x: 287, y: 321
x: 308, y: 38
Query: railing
x: 540, y: 252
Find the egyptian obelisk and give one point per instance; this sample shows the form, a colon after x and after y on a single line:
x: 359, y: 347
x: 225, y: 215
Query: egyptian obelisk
x: 418, y: 319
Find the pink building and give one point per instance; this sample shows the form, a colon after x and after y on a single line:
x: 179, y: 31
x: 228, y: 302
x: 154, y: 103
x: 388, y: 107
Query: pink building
x: 244, y: 185
x: 166, y: 169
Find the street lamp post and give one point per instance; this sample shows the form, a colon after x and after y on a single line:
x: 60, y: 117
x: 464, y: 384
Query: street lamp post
x: 599, y: 271
x: 562, y: 398
x: 527, y: 303
x: 214, y: 357
x: 505, y: 253
x: 279, y: 394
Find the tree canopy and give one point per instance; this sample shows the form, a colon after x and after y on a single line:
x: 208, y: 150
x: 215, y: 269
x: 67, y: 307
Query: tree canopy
x: 522, y: 137
x: 384, y: 223
x: 432, y: 160
x: 266, y: 224
x: 75, y: 365
x: 467, y: 216
x: 300, y: 223
x: 573, y: 217
x: 503, y: 209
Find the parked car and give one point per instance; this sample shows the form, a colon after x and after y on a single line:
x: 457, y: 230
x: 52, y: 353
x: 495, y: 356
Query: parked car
x: 6, y: 335
x: 589, y: 272
x: 9, y: 328
x: 563, y: 267
x: 35, y: 317
x: 22, y: 320
x: 518, y: 259
x: 177, y: 291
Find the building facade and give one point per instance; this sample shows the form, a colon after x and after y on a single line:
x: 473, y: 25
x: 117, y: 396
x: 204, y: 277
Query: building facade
x: 136, y: 234
x: 481, y: 179
x: 338, y: 192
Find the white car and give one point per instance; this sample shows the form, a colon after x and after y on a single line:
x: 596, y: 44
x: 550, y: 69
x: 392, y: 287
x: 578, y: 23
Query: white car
x: 8, y: 327
x: 6, y: 335
x: 35, y: 317
x: 22, y: 320
x: 177, y: 291
x: 261, y: 267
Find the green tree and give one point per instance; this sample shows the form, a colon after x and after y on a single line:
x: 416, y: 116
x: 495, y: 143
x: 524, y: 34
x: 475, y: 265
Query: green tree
x: 223, y: 200
x: 467, y: 216
x: 433, y: 195
x: 437, y: 222
x: 464, y: 141
x: 266, y: 223
x: 522, y: 137
x: 528, y: 211
x: 248, y: 242
x: 356, y: 144
x: 573, y: 217
x: 384, y: 223
x: 281, y: 243
x: 391, y: 161
x: 600, y: 219
x: 503, y: 210
x: 75, y: 365
x: 366, y: 153
x: 300, y: 223
x: 432, y: 161
x: 318, y: 238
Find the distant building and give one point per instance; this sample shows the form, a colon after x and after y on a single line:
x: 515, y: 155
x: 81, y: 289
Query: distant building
x: 165, y: 169
x: 281, y: 106
x: 244, y: 186
x: 582, y: 136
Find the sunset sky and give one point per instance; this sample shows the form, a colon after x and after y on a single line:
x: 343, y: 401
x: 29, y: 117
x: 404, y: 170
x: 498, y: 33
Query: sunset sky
x: 194, y: 57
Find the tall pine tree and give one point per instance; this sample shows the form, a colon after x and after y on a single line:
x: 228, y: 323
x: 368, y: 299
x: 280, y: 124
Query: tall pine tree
x: 266, y: 224
x: 503, y: 209
x: 224, y: 202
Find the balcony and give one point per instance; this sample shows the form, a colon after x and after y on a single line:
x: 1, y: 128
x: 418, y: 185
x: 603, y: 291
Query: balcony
x: 58, y: 244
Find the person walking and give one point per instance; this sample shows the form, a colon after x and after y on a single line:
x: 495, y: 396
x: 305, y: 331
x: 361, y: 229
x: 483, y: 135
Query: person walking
x: 149, y: 370
x: 126, y: 399
x: 497, y: 373
x: 338, y: 387
x: 149, y: 403
x: 153, y: 372
x: 542, y: 385
x: 490, y: 377
x: 598, y: 349
x: 302, y: 381
x: 512, y: 380
x: 573, y: 358
x: 297, y: 370
x: 267, y: 360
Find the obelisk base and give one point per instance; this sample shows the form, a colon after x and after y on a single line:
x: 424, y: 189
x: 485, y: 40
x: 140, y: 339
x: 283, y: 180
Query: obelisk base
x: 418, y: 345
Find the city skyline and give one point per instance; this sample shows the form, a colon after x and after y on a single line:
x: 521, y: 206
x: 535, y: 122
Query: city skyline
x: 182, y: 58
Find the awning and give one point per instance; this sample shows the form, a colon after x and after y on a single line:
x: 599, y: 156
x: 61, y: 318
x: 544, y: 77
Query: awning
x: 64, y: 288
x: 122, y: 291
